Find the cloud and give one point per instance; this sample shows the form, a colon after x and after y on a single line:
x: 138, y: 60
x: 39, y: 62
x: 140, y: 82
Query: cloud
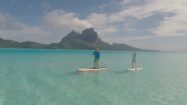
x: 60, y: 20
x: 125, y: 2
x: 174, y: 15
x: 101, y: 23
x: 171, y: 25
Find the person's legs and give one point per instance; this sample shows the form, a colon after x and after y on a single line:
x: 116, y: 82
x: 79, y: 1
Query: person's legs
x: 94, y: 63
x: 135, y: 66
x: 97, y: 64
x: 133, y: 63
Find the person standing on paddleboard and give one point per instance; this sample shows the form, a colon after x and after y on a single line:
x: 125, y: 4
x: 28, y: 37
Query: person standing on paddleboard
x: 96, y: 53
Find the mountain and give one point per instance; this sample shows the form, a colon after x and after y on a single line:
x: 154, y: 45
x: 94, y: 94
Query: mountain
x: 87, y: 39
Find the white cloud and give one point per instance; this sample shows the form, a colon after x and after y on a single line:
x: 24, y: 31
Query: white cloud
x: 101, y: 23
x: 64, y: 22
x: 172, y: 25
x: 61, y: 21
x: 124, y: 2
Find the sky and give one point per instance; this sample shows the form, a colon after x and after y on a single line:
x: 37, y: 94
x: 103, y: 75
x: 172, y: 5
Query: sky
x: 148, y: 24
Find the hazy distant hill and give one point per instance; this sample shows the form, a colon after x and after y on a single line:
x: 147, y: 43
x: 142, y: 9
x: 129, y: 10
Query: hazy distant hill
x: 88, y: 39
x: 13, y: 44
x: 8, y: 43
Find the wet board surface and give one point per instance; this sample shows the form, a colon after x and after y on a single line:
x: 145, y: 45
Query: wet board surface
x: 135, y: 69
x: 91, y: 69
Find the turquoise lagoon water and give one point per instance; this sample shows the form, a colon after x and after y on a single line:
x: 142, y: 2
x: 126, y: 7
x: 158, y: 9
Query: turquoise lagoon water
x: 48, y: 77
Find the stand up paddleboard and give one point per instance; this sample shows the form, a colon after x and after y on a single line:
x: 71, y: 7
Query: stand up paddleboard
x: 91, y: 69
x: 135, y: 69
x: 134, y: 66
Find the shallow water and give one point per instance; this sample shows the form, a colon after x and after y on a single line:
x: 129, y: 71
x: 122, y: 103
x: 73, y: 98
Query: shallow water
x: 48, y: 77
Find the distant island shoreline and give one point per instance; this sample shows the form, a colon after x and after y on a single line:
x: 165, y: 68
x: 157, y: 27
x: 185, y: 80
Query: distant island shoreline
x: 87, y: 40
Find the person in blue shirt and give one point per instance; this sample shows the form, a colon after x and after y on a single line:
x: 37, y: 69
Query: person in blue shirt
x: 96, y: 54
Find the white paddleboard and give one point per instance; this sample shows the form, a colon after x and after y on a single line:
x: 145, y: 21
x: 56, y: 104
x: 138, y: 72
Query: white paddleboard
x: 135, y: 69
x: 91, y: 69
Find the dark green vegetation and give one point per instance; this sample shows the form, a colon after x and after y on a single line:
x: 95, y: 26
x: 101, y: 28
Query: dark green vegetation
x: 88, y: 39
